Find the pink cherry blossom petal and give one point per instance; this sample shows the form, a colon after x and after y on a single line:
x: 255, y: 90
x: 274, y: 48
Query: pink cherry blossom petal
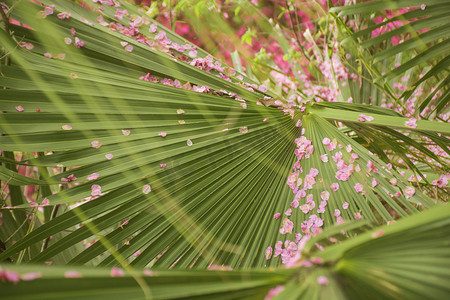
x: 109, y: 156
x: 378, y: 233
x: 322, y: 280
x: 129, y: 48
x: 93, y: 176
x: 116, y: 272
x: 72, y: 274
x: 411, y: 123
x: 96, y: 190
x: 358, y: 187
x: 269, y: 252
x: 324, y: 157
x: 96, y: 144
x: 31, y: 276
x: 334, y: 186
x: 274, y: 292
x: 146, y: 189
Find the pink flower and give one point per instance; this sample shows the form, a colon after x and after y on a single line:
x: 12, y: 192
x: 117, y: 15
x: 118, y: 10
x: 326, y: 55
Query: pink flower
x: 162, y: 134
x: 325, y: 195
x: 309, y: 182
x: 96, y: 144
x: 298, y: 236
x: 359, y: 187
x: 146, y: 189
x: 10, y: 276
x: 72, y: 274
x: 337, y: 157
x: 153, y: 27
x: 358, y: 216
x: 66, y: 127
x: 409, y: 191
x: 47, y: 12
x: 353, y: 157
x: 120, y: 14
x: 324, y: 158
x: 337, y: 212
x: 411, y: 123
x: 31, y: 276
x: 69, y: 178
x: 349, y: 148
x: 287, y: 226
x: 326, y: 141
x: 92, y: 176
x: 163, y: 165
x: 304, y: 208
x: 27, y: 46
x: 96, y: 190
x: 19, y: 108
x: 313, y: 172
x: 63, y: 15
x: 378, y: 233
x: 193, y: 52
x: 126, y: 132
x: 109, y: 156
x: 423, y: 6
x: 363, y: 118
x: 273, y: 292
x: 334, y: 186
x: 345, y: 205
x: 148, y: 272
x: 269, y: 251
x: 374, y: 182
x: 116, y: 272
x: 371, y: 167
x: 393, y: 181
x: 322, y: 280
x: 129, y: 48
x: 441, y: 182
x: 243, y: 129
x: 276, y: 216
x: 288, y: 212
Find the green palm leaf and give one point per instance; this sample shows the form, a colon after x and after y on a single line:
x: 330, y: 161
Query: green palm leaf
x: 226, y: 166
x: 409, y: 258
x: 425, y: 25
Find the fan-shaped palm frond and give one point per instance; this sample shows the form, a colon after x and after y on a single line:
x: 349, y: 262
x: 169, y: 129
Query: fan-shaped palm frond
x: 409, y: 258
x: 186, y: 179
